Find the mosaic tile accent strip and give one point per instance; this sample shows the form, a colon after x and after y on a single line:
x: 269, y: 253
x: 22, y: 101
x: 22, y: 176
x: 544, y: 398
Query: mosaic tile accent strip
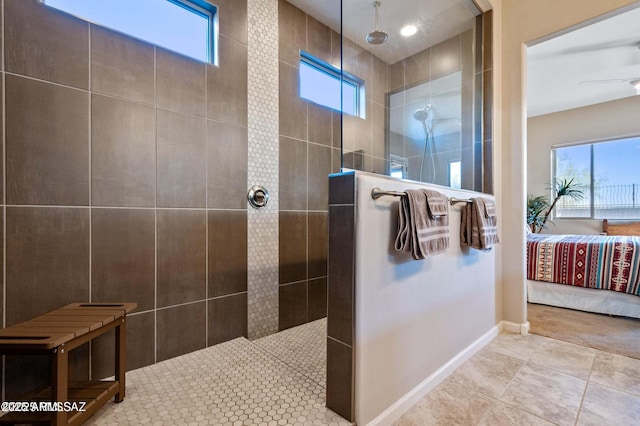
x: 262, y: 280
x: 303, y: 348
x: 233, y: 383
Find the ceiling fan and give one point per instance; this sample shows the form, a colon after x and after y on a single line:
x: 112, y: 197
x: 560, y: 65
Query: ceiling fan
x: 605, y: 45
x: 633, y: 81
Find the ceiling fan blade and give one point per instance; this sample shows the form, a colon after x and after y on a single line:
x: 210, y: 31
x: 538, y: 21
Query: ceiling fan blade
x: 603, y: 46
x: 610, y: 80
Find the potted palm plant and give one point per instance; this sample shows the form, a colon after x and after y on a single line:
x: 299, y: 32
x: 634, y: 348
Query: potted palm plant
x: 539, y: 209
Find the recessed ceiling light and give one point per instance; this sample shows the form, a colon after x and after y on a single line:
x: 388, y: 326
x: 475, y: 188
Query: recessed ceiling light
x: 408, y: 30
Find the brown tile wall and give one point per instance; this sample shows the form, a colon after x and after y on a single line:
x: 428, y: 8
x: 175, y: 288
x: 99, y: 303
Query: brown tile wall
x: 126, y: 170
x: 364, y: 139
x: 309, y: 150
x: 341, y: 295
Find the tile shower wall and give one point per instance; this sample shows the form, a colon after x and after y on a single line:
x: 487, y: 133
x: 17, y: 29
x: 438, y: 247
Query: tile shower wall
x: 309, y: 151
x: 125, y: 180
x: 450, y: 56
x: 364, y: 138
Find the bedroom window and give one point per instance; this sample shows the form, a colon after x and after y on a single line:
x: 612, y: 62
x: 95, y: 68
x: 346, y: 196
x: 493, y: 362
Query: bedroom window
x: 609, y: 175
x: 187, y: 27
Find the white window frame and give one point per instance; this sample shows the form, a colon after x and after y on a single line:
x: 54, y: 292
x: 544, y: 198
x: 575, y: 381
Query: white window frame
x: 590, y: 191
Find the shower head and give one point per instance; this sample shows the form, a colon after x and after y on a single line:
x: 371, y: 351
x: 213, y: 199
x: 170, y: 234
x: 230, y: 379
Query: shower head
x: 377, y: 36
x: 422, y: 114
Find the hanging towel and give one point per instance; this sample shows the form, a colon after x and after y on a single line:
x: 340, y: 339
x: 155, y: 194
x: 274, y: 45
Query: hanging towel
x: 478, y: 227
x: 423, y: 225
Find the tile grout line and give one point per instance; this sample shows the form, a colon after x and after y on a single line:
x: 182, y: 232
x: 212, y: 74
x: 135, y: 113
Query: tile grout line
x: 206, y: 215
x: 292, y: 367
x: 192, y: 302
x: 155, y: 213
x: 90, y: 191
x: 499, y: 399
x: 114, y: 97
x: 299, y: 370
x: 584, y: 392
x: 634, y: 395
x: 4, y: 202
x: 306, y: 221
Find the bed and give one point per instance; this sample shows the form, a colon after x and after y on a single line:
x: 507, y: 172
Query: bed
x: 595, y: 273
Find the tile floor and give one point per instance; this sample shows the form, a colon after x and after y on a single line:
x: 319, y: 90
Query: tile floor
x: 280, y: 379
x: 275, y: 380
x: 534, y: 380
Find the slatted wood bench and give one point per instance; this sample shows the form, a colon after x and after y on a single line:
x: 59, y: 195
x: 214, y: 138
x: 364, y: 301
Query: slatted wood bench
x: 55, y: 334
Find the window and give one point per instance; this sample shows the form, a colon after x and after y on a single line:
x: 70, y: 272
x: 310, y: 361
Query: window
x: 320, y: 83
x: 609, y: 176
x: 455, y: 174
x: 184, y: 26
x: 397, y: 166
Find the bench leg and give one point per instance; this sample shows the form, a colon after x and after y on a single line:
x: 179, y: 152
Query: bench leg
x: 121, y: 354
x: 59, y: 382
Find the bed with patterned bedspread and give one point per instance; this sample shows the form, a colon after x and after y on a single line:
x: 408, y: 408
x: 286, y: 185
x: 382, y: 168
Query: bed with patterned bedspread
x: 589, y: 261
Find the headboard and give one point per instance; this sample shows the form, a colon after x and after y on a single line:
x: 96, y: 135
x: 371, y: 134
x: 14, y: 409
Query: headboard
x: 621, y: 228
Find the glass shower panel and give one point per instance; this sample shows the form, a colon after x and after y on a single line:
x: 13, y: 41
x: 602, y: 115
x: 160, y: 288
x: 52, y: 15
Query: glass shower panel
x: 423, y: 100
x: 425, y: 131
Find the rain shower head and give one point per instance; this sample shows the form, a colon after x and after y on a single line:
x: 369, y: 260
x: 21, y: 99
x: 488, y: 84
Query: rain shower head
x: 422, y: 114
x: 377, y: 36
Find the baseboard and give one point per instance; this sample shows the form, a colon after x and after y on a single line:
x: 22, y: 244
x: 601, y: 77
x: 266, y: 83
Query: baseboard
x: 514, y: 327
x: 401, y: 406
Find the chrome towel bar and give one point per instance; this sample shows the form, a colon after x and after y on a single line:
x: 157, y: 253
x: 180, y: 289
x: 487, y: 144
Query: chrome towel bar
x: 377, y: 193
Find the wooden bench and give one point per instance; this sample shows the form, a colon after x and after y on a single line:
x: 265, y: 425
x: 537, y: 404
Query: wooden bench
x: 55, y: 334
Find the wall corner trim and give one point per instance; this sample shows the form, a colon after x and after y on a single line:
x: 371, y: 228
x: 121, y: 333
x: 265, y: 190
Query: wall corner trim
x: 513, y: 327
x: 402, y: 405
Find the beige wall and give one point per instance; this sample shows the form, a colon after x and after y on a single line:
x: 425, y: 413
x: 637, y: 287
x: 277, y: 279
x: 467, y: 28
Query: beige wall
x: 516, y: 24
x: 615, y: 119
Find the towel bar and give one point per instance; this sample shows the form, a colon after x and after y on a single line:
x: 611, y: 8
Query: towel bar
x: 377, y: 193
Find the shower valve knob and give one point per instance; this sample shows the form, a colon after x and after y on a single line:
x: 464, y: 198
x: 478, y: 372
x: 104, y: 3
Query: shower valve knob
x: 258, y: 196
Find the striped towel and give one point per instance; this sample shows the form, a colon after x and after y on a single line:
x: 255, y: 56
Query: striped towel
x: 478, y: 228
x: 423, y: 226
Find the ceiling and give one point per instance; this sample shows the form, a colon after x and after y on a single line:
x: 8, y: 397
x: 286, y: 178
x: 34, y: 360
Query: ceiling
x: 560, y: 71
x: 436, y: 20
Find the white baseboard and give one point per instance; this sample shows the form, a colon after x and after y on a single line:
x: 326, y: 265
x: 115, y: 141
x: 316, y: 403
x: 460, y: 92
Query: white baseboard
x: 514, y: 327
x: 395, y: 411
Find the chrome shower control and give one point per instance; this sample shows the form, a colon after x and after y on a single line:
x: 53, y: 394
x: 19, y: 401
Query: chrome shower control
x: 258, y: 196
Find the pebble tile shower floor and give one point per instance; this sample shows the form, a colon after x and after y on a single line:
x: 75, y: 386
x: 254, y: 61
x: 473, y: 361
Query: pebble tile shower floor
x: 275, y: 380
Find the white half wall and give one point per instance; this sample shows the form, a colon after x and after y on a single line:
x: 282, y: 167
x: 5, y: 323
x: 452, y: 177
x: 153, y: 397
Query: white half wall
x: 412, y: 317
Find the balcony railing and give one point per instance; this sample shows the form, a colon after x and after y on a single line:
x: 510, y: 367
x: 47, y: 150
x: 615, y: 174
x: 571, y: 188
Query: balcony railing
x: 609, y: 202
